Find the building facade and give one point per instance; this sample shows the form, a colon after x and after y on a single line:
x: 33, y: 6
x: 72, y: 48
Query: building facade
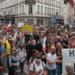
x: 68, y: 13
x: 34, y: 11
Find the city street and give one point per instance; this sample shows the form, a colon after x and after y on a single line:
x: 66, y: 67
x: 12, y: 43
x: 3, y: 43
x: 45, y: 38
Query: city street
x: 25, y: 69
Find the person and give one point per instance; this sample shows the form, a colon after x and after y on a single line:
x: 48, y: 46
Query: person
x: 33, y: 58
x: 59, y: 55
x: 37, y: 67
x: 29, y: 49
x: 1, y: 65
x: 39, y: 46
x: 51, y: 61
x: 22, y: 55
x: 12, y: 62
x: 2, y: 47
x: 9, y: 44
x: 65, y: 42
x: 69, y: 68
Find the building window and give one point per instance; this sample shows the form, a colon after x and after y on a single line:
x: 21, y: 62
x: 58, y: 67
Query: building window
x: 17, y: 10
x: 22, y: 8
x: 38, y: 8
x: 54, y: 11
x: 41, y: 9
x: 48, y: 11
x: 11, y: 11
x: 45, y: 10
x: 30, y: 9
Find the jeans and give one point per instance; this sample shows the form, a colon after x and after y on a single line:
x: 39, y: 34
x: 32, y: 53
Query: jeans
x: 22, y: 66
x: 51, y: 72
x: 59, y: 69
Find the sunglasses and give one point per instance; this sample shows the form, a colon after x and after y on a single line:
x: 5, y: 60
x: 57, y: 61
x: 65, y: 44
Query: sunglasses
x: 38, y: 57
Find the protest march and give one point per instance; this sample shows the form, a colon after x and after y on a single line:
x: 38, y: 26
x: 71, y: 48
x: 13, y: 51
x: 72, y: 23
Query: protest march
x: 48, y: 50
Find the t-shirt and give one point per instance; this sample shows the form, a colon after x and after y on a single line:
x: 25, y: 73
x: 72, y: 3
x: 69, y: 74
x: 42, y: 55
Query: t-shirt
x: 37, y: 68
x: 51, y: 58
x: 21, y: 53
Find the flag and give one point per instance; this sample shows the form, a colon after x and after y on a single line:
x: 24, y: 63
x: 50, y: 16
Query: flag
x: 71, y: 2
x: 44, y: 47
x: 9, y: 26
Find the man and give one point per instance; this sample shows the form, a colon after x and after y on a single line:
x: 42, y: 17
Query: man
x: 29, y: 49
x: 9, y: 44
x: 51, y: 61
x: 21, y: 41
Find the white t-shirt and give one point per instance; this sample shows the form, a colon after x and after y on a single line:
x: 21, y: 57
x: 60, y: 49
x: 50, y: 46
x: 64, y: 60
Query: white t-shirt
x: 37, y: 68
x: 51, y: 58
x: 21, y: 53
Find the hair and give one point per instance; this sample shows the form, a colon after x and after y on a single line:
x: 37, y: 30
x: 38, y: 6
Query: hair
x: 34, y: 52
x: 14, y: 50
x: 58, y: 43
x: 68, y: 66
x: 39, y: 54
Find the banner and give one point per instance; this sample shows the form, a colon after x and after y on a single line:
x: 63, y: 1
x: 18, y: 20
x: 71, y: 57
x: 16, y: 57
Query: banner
x: 27, y: 28
x: 20, y: 24
x: 68, y: 57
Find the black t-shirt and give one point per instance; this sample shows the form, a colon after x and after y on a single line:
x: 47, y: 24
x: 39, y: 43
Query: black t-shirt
x: 27, y: 37
x: 39, y: 47
x: 36, y: 37
x: 29, y: 49
x: 66, y: 43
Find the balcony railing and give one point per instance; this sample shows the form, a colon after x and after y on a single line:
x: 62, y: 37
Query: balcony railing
x: 30, y: 1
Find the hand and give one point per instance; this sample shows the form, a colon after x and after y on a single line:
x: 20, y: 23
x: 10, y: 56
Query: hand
x: 40, y: 71
x: 1, y: 67
x: 21, y: 57
x: 45, y: 73
x: 57, y: 61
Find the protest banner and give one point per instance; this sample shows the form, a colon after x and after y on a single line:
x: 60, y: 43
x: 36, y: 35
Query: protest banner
x: 68, y: 57
x: 20, y: 24
x: 27, y: 28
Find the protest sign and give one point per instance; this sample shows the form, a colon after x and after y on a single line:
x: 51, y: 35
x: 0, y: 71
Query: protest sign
x: 27, y: 28
x: 68, y: 57
x: 20, y: 24
x: 26, y: 22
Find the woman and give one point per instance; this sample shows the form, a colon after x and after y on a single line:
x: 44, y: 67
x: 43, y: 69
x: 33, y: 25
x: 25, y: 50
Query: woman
x: 22, y: 55
x: 12, y: 62
x: 37, y: 67
x: 59, y: 55
x: 33, y: 58
x: 65, y: 42
x: 69, y: 69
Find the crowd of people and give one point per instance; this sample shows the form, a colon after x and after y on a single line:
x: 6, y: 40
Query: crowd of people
x: 42, y: 49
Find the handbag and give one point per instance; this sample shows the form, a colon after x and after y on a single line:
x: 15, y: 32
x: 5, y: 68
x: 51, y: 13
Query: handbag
x: 17, y: 70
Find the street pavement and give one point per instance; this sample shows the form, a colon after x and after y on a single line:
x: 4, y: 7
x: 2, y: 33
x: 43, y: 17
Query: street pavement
x: 25, y: 69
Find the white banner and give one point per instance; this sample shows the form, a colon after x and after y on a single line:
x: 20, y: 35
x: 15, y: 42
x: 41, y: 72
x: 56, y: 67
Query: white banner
x: 68, y: 57
x: 20, y: 24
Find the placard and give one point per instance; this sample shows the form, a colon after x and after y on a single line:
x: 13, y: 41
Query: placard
x: 68, y: 57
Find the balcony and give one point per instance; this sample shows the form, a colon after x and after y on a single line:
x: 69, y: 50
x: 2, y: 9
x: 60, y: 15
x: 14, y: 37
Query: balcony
x: 30, y: 1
